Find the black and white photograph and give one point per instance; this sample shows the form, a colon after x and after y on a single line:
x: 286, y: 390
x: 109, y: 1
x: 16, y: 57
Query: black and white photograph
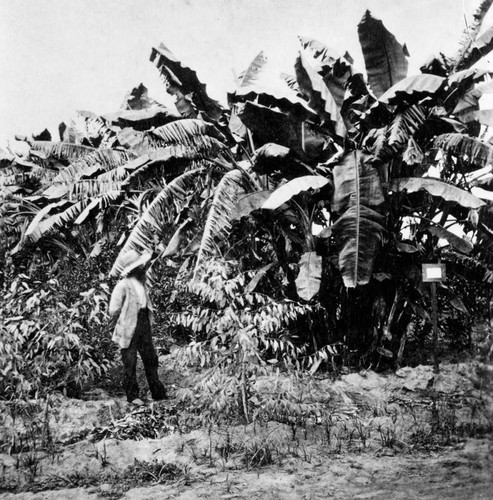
x: 246, y: 249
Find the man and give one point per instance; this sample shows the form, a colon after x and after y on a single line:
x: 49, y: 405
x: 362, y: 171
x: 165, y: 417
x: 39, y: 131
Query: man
x: 130, y: 303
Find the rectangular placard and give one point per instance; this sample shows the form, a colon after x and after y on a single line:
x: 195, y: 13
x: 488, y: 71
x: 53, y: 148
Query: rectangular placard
x: 433, y: 272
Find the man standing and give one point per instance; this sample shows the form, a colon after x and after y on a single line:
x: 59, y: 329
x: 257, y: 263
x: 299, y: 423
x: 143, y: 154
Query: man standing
x: 130, y: 303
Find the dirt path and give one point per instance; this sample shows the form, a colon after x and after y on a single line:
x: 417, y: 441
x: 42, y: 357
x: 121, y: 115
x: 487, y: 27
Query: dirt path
x: 380, y: 437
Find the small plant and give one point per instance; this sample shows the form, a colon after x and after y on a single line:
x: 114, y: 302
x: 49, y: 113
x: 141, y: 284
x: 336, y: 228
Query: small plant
x: 258, y: 453
x: 156, y: 472
x: 238, y: 335
x: 387, y: 436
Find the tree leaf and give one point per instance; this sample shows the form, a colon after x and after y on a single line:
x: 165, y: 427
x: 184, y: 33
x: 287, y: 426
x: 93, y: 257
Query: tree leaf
x: 218, y: 223
x: 62, y: 150
x: 318, y: 94
x: 482, y: 46
x: 455, y: 241
x: 436, y: 188
x: 355, y: 182
x: 182, y: 81
x: 385, y: 58
x: 268, y: 88
x: 250, y: 202
x: 153, y: 220
x: 310, y: 275
x: 470, y: 150
x: 358, y: 235
x: 296, y: 186
x: 196, y: 134
x: 413, y: 89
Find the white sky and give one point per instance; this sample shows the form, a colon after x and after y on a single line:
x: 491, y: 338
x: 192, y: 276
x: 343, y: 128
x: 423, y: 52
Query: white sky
x: 59, y: 56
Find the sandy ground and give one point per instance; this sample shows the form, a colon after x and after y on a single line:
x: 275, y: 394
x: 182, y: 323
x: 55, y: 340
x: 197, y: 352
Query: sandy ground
x: 380, y: 444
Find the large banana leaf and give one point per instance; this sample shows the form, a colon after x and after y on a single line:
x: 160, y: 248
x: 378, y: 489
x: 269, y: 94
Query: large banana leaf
x: 97, y: 205
x: 141, y: 119
x: 251, y: 75
x: 470, y: 100
x: 62, y: 150
x: 472, y: 151
x: 250, y: 202
x: 385, y: 58
x: 186, y: 80
x: 457, y: 242
x: 318, y: 94
x: 53, y: 216
x: 220, y: 216
x: 413, y: 89
x: 106, y: 159
x: 266, y: 87
x: 334, y: 68
x: 191, y: 133
x: 271, y: 126
x: 156, y: 216
x: 482, y: 46
x: 470, y: 33
x: 271, y: 158
x: 138, y: 98
x: 296, y: 186
x: 436, y: 188
x: 355, y: 182
x: 358, y: 235
x: 310, y: 275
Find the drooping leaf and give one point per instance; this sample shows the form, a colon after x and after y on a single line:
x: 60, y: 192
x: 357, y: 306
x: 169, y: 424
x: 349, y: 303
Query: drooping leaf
x: 318, y: 94
x: 355, y: 182
x: 271, y: 158
x: 310, y: 275
x: 97, y: 205
x: 413, y: 89
x: 385, y: 58
x: 266, y: 87
x: 482, y: 46
x: 182, y: 81
x: 438, y: 188
x: 271, y: 126
x: 107, y: 159
x: 457, y: 242
x: 296, y: 186
x: 219, y: 218
x: 358, y: 234
x: 62, y: 150
x: 399, y: 133
x: 250, y: 202
x: 191, y: 133
x: 177, y: 240
x: 53, y: 216
x: 151, y: 223
x: 138, y: 99
x: 141, y: 119
x: 470, y: 100
x: 469, y: 35
x: 472, y: 151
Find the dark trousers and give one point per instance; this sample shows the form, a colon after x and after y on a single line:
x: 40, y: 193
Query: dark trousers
x: 141, y: 342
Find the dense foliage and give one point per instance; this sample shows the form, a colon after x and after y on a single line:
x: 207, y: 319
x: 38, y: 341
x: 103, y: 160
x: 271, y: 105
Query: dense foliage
x: 320, y: 193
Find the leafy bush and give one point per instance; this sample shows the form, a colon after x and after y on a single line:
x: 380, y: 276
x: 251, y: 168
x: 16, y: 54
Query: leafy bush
x: 47, y: 344
x: 238, y: 335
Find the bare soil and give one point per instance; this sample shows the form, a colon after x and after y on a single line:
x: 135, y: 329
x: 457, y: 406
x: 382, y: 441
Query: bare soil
x: 410, y: 434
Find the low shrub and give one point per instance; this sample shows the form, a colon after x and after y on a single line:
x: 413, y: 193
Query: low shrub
x: 47, y: 344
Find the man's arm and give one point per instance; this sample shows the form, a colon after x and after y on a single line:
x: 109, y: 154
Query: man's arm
x: 117, y: 298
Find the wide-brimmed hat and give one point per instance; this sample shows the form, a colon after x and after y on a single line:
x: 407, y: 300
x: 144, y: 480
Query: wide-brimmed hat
x: 132, y: 260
